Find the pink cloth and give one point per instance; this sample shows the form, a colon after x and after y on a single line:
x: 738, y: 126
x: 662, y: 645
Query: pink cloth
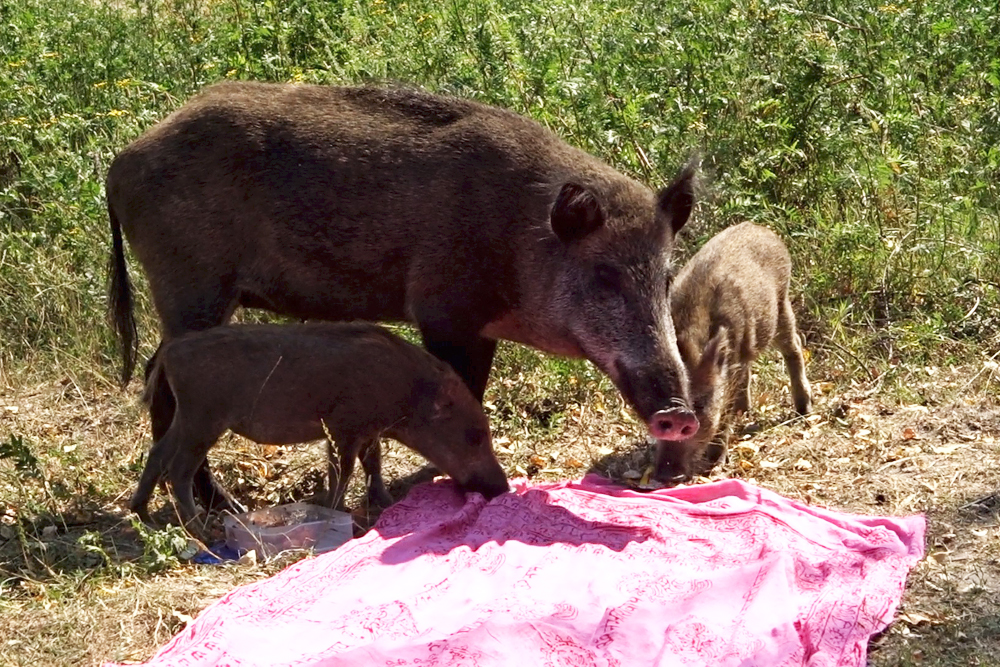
x: 584, y: 574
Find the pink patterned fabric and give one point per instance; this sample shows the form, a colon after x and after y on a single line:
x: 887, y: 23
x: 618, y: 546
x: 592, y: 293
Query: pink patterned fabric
x: 585, y: 574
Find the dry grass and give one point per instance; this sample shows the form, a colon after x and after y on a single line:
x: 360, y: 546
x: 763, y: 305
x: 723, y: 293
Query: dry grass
x: 122, y: 619
x: 80, y: 585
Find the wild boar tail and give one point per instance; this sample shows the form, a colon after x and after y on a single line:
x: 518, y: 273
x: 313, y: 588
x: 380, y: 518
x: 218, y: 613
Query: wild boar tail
x: 120, y: 302
x: 155, y: 379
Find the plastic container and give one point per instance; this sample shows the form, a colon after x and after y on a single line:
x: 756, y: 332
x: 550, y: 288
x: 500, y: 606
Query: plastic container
x: 271, y: 530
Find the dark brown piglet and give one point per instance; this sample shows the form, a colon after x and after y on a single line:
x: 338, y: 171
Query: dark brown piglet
x: 729, y: 303
x: 296, y: 383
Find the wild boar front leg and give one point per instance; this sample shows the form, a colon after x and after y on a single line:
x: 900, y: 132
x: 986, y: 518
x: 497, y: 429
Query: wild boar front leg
x: 371, y: 461
x: 717, y: 450
x: 460, y: 346
x: 340, y: 465
x: 741, y: 389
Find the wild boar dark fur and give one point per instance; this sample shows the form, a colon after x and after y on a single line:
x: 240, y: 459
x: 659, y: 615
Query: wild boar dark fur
x: 289, y: 384
x: 391, y: 204
x: 729, y: 303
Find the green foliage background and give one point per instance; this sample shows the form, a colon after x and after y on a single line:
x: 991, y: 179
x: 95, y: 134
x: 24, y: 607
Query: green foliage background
x: 867, y: 133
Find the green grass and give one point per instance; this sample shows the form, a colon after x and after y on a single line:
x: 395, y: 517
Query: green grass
x: 867, y: 134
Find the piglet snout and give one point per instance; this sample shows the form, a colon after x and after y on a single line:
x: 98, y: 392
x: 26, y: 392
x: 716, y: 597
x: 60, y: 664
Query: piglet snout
x: 490, y: 486
x: 673, y: 424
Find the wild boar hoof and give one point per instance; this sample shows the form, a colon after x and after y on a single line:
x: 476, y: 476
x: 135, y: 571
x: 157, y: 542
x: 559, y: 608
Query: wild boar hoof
x: 714, y: 453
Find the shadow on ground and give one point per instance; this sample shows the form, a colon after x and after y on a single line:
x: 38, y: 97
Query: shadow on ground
x: 961, y: 640
x: 70, y: 544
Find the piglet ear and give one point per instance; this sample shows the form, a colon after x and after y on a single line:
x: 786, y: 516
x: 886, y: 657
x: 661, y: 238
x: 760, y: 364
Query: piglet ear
x: 425, y: 394
x: 448, y: 392
x: 675, y: 202
x: 713, y: 359
x: 576, y: 213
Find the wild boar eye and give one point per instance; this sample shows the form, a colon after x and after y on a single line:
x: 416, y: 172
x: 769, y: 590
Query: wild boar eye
x: 607, y: 278
x: 474, y: 437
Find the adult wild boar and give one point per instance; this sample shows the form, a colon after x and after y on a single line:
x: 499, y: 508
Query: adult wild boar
x: 729, y: 303
x: 342, y: 203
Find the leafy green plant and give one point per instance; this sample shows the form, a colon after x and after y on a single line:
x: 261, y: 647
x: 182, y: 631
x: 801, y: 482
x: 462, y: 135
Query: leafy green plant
x: 162, y: 549
x: 17, y: 451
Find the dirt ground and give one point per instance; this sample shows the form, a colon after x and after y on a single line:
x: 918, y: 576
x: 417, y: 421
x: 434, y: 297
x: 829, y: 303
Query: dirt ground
x: 80, y: 583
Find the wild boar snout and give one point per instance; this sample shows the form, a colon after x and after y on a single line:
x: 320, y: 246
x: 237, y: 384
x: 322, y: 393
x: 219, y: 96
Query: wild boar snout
x: 672, y: 462
x: 490, y: 483
x: 673, y: 424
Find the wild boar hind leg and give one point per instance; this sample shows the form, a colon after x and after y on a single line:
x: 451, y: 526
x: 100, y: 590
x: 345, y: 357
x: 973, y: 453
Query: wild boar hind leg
x: 162, y: 408
x: 188, y: 448
x: 791, y: 349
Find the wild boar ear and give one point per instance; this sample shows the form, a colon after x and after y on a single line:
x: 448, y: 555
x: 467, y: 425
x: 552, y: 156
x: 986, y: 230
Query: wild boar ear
x: 675, y: 202
x: 716, y: 351
x: 425, y: 394
x: 447, y: 391
x: 576, y: 213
